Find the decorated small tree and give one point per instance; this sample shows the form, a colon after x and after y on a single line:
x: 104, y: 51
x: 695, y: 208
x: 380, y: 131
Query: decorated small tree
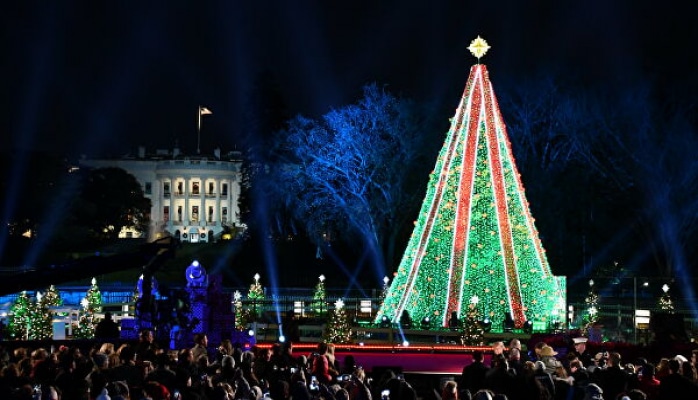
x: 386, y: 288
x: 52, y: 297
x: 318, y: 306
x: 240, y: 314
x: 91, y: 304
x: 666, y: 304
x: 591, y: 313
x: 40, y: 318
x: 85, y: 327
x: 338, y: 327
x: 94, y: 298
x: 19, y: 317
x: 255, y: 298
x: 472, y: 332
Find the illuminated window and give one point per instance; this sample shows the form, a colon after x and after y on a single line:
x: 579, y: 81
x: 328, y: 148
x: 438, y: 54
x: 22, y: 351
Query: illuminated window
x: 166, y: 189
x: 180, y: 188
x: 195, y: 188
x: 210, y: 188
x: 195, y: 213
x: 210, y: 213
x: 166, y: 213
x: 224, y: 212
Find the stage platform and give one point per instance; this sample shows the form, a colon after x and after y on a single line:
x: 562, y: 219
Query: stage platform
x: 418, y: 359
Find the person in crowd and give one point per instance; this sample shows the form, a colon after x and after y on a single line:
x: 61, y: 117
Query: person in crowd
x: 675, y: 386
x: 497, y: 349
x: 146, y: 348
x: 544, y: 377
x: 450, y: 391
x: 200, y: 346
x: 647, y: 382
x: 594, y: 392
x: 107, y: 328
x: 499, y: 378
x: 127, y: 370
x: 689, y: 371
x: 163, y: 372
x: 613, y: 379
x: 580, y: 350
x: 473, y: 375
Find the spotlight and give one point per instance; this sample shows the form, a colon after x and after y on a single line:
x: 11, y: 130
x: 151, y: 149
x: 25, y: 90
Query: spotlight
x: 486, y: 324
x: 508, y: 323
x: 426, y: 323
x: 250, y: 332
x: 528, y: 327
x: 282, y: 339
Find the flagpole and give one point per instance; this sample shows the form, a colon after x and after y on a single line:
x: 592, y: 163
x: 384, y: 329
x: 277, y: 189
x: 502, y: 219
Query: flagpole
x: 202, y: 111
x: 198, y: 130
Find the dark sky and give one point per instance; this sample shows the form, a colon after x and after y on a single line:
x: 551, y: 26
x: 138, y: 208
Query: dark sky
x: 102, y: 77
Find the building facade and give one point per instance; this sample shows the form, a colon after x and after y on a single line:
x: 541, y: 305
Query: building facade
x: 194, y: 198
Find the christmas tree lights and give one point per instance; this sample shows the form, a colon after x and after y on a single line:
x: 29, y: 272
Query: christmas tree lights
x: 19, y: 317
x: 475, y: 235
x: 318, y: 304
x: 591, y: 314
x: 338, y: 327
x: 666, y: 304
x: 255, y: 296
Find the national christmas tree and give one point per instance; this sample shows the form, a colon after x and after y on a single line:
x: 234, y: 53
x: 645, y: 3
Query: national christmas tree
x: 338, y: 328
x: 475, y: 235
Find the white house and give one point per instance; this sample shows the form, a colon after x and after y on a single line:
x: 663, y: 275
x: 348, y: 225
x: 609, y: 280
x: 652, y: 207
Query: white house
x: 193, y: 197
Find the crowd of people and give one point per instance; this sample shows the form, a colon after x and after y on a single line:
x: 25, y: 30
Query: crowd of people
x: 143, y: 371
x: 579, y: 375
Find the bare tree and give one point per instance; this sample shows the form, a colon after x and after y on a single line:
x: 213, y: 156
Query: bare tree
x: 350, y: 173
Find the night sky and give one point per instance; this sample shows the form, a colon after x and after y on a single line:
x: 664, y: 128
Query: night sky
x: 101, y: 78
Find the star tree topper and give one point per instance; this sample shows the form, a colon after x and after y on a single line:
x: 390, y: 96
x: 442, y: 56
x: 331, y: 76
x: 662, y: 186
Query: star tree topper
x: 478, y: 47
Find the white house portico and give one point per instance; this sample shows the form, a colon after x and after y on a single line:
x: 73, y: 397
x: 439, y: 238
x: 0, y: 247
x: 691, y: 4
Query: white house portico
x: 194, y: 199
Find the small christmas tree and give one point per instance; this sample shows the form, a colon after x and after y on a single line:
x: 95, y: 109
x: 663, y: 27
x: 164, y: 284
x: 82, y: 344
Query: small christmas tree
x: 240, y: 315
x: 318, y: 306
x: 472, y: 331
x: 91, y: 304
x: 386, y: 288
x: 52, y: 297
x: 666, y: 304
x: 94, y: 298
x: 85, y: 327
x: 40, y: 319
x: 255, y: 297
x: 19, y: 317
x: 591, y: 314
x: 338, y: 328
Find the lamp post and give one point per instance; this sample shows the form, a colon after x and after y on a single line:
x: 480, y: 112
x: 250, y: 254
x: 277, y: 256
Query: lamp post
x: 635, y: 309
x: 635, y: 321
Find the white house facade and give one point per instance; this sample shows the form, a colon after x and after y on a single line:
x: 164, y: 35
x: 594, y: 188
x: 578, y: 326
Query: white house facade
x: 194, y: 199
